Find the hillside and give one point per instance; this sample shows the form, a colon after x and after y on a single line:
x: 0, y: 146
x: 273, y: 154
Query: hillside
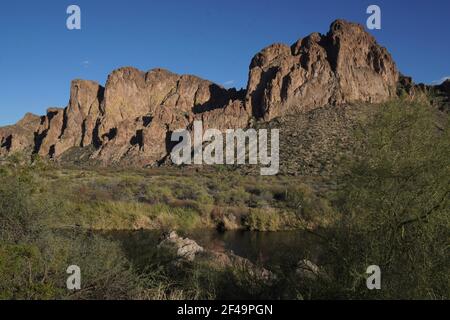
x: 131, y: 118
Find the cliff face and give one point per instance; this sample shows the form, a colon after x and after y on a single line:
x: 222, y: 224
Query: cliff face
x: 131, y: 119
x: 140, y: 110
x: 345, y: 65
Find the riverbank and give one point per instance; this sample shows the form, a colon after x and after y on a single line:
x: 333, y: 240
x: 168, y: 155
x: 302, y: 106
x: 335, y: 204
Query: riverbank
x: 183, y: 199
x: 390, y: 209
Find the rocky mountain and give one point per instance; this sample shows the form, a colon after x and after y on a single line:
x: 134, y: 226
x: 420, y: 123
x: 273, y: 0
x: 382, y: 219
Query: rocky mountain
x: 345, y: 65
x: 131, y: 118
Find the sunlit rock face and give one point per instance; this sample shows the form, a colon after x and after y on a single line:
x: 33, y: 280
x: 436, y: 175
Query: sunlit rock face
x: 345, y: 65
x: 130, y: 120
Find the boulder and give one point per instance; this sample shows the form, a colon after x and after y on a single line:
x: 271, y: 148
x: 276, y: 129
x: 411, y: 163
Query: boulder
x: 307, y: 270
x: 231, y: 260
x: 186, y: 249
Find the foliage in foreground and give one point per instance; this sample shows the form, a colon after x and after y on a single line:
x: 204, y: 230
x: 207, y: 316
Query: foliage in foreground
x: 394, y: 198
x: 393, y: 204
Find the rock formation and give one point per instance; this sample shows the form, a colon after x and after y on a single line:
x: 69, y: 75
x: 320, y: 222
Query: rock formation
x: 345, y: 65
x: 131, y: 119
x: 188, y: 250
x: 183, y: 248
x: 437, y: 95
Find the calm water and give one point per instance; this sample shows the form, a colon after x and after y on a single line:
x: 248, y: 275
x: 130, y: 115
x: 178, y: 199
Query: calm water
x: 271, y: 249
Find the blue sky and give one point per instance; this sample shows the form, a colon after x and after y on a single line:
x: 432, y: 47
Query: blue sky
x: 209, y: 38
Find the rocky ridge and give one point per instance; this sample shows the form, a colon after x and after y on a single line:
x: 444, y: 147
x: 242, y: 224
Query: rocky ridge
x: 131, y: 118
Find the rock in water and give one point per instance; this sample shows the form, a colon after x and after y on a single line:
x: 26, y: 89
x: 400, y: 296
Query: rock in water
x: 185, y: 248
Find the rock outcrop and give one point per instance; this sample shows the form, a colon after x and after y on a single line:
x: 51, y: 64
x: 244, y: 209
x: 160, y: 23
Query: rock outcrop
x: 21, y: 136
x: 80, y: 117
x: 131, y: 119
x: 183, y: 248
x: 437, y: 95
x: 140, y: 110
x: 346, y: 65
x: 307, y: 270
x: 187, y: 250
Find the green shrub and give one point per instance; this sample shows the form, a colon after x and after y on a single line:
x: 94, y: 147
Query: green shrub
x: 394, y: 197
x: 263, y: 220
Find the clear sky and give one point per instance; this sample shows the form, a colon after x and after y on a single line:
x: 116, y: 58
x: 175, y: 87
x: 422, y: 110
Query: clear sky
x: 213, y: 39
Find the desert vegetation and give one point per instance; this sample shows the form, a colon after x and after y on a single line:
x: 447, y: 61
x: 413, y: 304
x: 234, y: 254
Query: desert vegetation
x: 388, y: 205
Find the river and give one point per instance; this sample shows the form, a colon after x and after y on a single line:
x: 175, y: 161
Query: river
x: 282, y: 249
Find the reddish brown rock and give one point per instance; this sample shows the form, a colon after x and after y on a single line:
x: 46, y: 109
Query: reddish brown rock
x: 49, y: 132
x: 130, y: 120
x: 140, y: 110
x: 19, y: 137
x: 80, y: 116
x: 345, y: 65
